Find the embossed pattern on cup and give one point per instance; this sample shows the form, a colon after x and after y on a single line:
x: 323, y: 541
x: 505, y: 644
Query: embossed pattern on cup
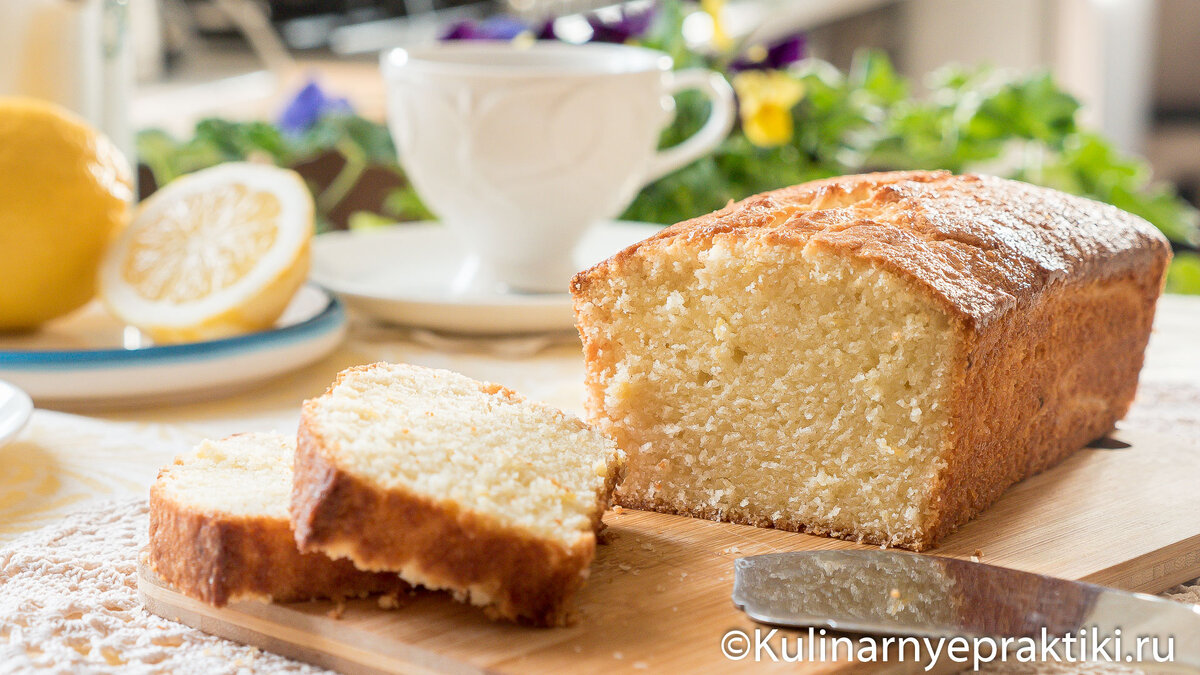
x: 520, y: 151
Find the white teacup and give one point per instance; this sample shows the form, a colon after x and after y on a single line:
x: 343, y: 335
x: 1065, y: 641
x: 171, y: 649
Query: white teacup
x: 520, y: 149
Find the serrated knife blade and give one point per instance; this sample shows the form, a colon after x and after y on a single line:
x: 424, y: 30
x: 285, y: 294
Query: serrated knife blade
x: 907, y: 594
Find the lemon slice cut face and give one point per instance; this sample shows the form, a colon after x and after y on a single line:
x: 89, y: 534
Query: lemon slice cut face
x: 213, y: 254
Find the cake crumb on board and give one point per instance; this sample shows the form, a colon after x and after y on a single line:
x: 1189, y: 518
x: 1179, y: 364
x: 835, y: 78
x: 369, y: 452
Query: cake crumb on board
x: 338, y: 609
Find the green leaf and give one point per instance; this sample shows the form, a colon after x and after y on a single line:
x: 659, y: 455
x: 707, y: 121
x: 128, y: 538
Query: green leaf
x: 1161, y: 206
x: 1183, y: 276
x: 365, y: 220
x: 242, y: 140
x: 871, y: 72
x: 370, y: 140
x: 404, y: 204
x: 158, y: 150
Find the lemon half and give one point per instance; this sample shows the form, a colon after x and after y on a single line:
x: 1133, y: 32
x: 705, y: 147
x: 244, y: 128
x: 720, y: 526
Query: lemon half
x: 213, y: 254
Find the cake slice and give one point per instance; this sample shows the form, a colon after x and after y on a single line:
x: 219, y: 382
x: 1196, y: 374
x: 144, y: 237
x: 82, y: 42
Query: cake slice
x: 219, y: 528
x: 873, y: 357
x: 454, y: 484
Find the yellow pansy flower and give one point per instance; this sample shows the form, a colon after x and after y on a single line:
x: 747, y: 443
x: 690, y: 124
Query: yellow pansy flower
x: 524, y: 40
x: 720, y: 38
x: 765, y: 101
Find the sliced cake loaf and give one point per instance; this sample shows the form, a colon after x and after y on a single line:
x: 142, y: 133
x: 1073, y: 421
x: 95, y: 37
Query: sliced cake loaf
x: 219, y: 528
x: 455, y: 484
x: 874, y: 357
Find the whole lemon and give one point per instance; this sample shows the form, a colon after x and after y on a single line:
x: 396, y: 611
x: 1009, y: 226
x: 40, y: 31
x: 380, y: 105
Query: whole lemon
x: 64, y: 194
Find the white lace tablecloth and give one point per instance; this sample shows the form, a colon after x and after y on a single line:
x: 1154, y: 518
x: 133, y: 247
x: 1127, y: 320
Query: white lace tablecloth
x: 73, y: 488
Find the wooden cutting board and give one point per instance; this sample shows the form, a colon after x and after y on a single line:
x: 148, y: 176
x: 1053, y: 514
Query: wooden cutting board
x: 658, y: 600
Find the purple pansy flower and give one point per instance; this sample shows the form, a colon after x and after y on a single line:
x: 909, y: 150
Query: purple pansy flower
x: 498, y: 27
x: 309, y: 105
x: 777, y: 56
x: 546, y: 32
x: 631, y: 24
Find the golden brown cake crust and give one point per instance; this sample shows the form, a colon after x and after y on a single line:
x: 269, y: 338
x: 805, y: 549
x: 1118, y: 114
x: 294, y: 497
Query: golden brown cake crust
x: 979, y: 245
x: 1052, y: 297
x: 220, y: 559
x: 518, y: 576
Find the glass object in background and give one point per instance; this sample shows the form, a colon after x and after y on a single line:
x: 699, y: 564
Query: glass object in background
x: 74, y: 53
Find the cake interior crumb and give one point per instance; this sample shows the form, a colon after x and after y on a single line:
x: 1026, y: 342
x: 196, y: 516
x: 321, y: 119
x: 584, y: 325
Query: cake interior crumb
x: 773, y: 384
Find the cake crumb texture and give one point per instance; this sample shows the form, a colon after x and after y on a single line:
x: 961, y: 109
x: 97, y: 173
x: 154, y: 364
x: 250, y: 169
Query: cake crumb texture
x: 455, y: 484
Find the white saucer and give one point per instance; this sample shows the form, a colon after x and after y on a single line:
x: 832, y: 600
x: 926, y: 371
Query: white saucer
x: 90, y: 360
x: 15, y: 409
x: 403, y: 275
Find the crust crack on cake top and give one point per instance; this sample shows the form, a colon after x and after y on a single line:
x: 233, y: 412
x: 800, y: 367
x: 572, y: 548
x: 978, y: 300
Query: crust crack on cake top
x: 875, y: 357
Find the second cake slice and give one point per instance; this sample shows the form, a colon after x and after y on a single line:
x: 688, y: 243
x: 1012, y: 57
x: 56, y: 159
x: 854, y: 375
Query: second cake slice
x: 455, y: 484
x: 219, y: 528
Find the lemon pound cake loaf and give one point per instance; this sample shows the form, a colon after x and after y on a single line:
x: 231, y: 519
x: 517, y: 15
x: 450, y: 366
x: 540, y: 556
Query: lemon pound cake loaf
x: 219, y: 528
x: 873, y: 357
x: 455, y: 484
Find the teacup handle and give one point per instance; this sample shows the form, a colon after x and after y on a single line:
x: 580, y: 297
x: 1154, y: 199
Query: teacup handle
x: 720, y: 119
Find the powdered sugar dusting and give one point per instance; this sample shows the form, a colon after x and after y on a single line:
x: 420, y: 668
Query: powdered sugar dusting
x: 68, y: 595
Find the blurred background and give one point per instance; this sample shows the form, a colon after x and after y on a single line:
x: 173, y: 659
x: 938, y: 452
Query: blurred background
x: 1132, y: 63
x: 1098, y: 97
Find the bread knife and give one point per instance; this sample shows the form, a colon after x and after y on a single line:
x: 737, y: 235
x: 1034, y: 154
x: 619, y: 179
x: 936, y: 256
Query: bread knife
x: 884, y: 593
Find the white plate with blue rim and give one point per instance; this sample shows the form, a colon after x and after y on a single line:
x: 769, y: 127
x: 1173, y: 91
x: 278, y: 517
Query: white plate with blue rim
x: 90, y: 360
x: 15, y: 409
